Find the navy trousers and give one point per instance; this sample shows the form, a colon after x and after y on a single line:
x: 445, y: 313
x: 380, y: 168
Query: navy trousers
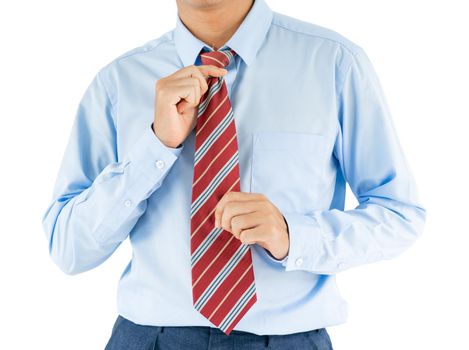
x: 127, y: 335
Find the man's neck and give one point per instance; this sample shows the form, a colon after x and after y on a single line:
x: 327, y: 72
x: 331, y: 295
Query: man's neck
x: 214, y: 24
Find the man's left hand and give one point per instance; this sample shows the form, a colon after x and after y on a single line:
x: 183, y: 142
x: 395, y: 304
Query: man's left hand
x: 253, y: 218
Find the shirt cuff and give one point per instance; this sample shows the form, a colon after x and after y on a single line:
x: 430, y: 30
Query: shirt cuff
x: 271, y: 257
x: 152, y: 155
x: 153, y: 158
x: 305, y: 242
x: 176, y: 150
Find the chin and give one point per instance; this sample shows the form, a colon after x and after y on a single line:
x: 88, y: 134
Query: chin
x: 204, y: 3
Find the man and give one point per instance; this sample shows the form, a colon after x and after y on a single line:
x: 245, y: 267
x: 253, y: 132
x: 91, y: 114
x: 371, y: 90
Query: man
x: 222, y: 150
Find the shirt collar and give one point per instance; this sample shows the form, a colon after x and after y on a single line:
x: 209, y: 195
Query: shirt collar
x: 246, y: 41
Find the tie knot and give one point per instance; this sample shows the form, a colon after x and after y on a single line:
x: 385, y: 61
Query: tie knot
x: 220, y: 58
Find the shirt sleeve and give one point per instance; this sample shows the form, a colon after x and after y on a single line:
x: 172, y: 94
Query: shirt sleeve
x: 388, y: 217
x: 97, y: 199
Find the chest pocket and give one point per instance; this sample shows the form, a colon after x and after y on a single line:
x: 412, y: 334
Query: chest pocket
x: 287, y: 167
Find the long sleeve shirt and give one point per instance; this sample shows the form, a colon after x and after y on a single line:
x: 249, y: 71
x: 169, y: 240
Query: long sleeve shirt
x: 310, y: 116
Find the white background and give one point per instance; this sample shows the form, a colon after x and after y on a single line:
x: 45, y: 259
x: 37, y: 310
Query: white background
x: 50, y: 51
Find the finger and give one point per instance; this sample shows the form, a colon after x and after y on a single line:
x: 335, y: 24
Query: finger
x: 196, y: 74
x: 210, y: 70
x: 197, y: 93
x: 235, y: 208
x: 246, y: 221
x: 185, y: 81
x: 186, y: 92
x: 187, y: 102
x: 189, y: 81
x: 205, y: 70
x: 181, y: 106
x: 234, y: 196
x: 253, y: 236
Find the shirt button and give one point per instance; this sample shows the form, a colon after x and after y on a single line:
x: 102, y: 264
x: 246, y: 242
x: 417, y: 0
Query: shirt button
x: 298, y: 262
x: 159, y: 164
x: 128, y: 203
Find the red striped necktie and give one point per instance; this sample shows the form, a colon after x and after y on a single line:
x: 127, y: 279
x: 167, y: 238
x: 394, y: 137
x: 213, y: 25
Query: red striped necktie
x: 223, y: 286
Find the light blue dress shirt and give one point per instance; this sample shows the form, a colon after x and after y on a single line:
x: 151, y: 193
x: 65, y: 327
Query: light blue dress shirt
x: 310, y: 116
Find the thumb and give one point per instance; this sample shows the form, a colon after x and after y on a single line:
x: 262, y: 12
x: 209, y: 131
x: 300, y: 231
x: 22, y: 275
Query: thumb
x: 181, y: 106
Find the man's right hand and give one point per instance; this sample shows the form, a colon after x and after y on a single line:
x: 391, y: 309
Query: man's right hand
x: 176, y: 99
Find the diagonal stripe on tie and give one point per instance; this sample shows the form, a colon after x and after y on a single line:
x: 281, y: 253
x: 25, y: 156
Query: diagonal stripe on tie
x: 223, y: 287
